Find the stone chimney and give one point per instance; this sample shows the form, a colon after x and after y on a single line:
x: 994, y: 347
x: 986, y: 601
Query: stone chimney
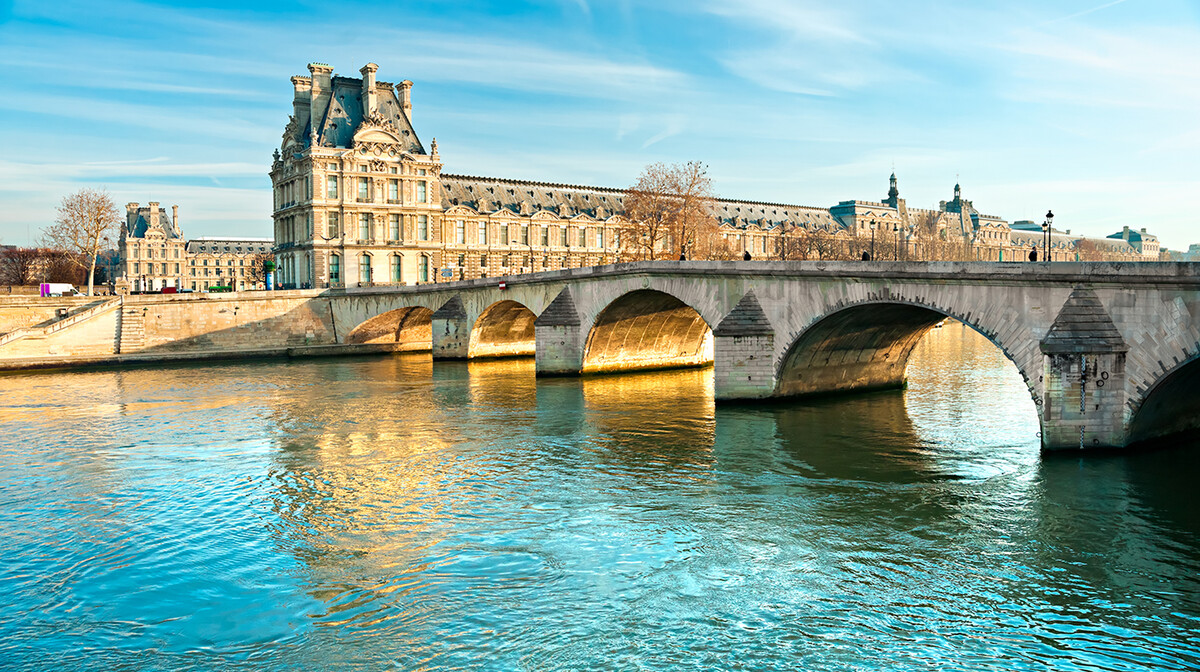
x: 404, y: 93
x: 175, y: 217
x: 1143, y: 229
x: 303, y: 98
x: 370, y: 98
x: 321, y: 76
x: 153, y: 218
x: 1125, y: 233
x: 131, y: 208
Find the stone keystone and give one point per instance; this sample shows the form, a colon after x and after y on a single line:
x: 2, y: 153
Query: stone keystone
x: 1083, y: 326
x: 560, y: 313
x: 746, y: 319
x: 451, y: 310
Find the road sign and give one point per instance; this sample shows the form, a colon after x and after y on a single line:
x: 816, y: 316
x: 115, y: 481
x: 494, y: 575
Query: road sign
x: 447, y: 272
x: 503, y: 285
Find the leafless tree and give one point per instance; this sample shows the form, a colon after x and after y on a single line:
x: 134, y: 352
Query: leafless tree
x: 84, y: 227
x: 20, y: 265
x: 258, y: 268
x: 669, y: 213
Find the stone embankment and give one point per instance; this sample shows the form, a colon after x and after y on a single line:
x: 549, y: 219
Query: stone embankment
x: 54, y: 332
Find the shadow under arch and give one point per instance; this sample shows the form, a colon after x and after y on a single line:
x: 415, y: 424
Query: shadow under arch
x: 504, y: 329
x: 1170, y: 408
x: 411, y: 328
x: 865, y: 346
x: 647, y: 329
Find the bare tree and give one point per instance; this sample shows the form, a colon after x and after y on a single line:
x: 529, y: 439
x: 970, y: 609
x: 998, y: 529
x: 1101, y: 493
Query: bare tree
x: 258, y: 268
x: 20, y: 265
x: 84, y: 227
x: 1088, y: 250
x: 669, y: 213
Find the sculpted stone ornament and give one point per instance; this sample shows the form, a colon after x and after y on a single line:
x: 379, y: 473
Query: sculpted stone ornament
x: 377, y: 120
x: 433, y: 148
x: 290, y: 130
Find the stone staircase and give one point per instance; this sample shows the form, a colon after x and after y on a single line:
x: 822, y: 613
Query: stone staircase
x: 131, y: 330
x: 55, y: 326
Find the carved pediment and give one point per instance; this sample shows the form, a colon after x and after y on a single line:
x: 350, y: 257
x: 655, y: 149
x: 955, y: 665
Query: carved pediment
x: 460, y: 210
x: 544, y: 215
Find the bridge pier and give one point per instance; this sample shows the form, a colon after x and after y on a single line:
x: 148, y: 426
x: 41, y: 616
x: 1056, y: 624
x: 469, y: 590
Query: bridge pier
x: 1083, y: 399
x: 744, y: 353
x: 558, y: 338
x: 451, y: 330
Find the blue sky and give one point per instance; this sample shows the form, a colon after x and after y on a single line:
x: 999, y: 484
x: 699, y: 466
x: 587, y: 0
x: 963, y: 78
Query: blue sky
x: 1088, y: 107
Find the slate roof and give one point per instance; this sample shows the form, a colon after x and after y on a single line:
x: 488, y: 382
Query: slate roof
x: 138, y: 222
x: 493, y: 194
x: 230, y: 246
x: 337, y: 115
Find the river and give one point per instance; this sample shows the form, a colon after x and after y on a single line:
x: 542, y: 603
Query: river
x: 389, y: 513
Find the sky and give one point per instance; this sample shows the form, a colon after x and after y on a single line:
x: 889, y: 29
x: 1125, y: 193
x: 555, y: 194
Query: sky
x: 1086, y: 107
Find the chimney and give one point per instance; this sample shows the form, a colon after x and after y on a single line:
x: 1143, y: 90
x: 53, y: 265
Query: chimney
x: 1143, y: 229
x: 153, y: 218
x: 370, y: 99
x: 175, y: 217
x: 404, y: 92
x: 1125, y: 233
x: 131, y: 208
x: 303, y: 98
x: 320, y: 76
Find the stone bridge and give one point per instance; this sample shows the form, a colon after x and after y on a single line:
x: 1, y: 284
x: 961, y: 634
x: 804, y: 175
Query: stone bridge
x: 1110, y: 352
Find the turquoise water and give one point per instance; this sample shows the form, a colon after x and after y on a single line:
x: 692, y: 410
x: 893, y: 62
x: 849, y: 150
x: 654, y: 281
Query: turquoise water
x: 389, y: 513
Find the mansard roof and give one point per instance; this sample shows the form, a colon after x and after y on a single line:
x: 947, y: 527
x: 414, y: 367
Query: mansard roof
x: 230, y: 246
x: 139, y: 222
x: 338, y: 115
x: 493, y: 194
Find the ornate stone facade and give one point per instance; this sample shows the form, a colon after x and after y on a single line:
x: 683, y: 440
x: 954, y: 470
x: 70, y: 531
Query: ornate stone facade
x: 359, y: 200
x: 153, y: 255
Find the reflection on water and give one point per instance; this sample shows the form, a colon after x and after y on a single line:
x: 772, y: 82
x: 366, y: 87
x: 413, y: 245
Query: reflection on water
x: 387, y: 513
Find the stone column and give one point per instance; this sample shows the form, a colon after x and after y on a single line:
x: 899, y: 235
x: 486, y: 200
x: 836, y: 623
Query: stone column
x: 451, y: 330
x: 744, y: 352
x: 1083, y: 398
x: 558, y: 339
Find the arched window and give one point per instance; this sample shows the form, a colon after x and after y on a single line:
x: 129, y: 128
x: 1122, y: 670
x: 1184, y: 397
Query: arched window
x: 364, y: 268
x: 395, y: 268
x: 335, y: 268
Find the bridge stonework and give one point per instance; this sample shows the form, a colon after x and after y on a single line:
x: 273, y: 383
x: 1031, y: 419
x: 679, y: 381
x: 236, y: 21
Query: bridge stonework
x: 1110, y: 352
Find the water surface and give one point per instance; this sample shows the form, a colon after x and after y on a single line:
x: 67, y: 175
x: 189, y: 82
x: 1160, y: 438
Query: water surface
x: 387, y: 513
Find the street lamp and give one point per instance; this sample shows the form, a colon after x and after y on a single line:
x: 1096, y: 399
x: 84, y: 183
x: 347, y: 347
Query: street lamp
x: 896, y: 230
x: 872, y: 239
x: 1046, y: 234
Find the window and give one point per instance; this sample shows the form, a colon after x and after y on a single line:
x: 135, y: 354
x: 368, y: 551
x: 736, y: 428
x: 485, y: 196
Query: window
x: 564, y: 242
x: 393, y: 227
x: 422, y: 186
x: 176, y: 269
x: 506, y: 260
x: 135, y: 267
x: 364, y: 268
x: 335, y: 268
x: 193, y: 272
x: 331, y: 186
x: 524, y: 234
x: 206, y: 262
x: 460, y: 232
x: 393, y: 170
x: 424, y: 268
x: 362, y: 169
x: 483, y: 237
x: 333, y: 225
x: 545, y: 236
x: 241, y: 262
x: 483, y: 262
x: 599, y: 237
x: 364, y: 226
x: 504, y: 234
x: 422, y: 227
x: 393, y: 191
x: 150, y: 253
x: 420, y: 171
x: 135, y: 253
x: 582, y: 237
x: 177, y: 253
x: 395, y: 268
x: 462, y: 260
x: 364, y: 189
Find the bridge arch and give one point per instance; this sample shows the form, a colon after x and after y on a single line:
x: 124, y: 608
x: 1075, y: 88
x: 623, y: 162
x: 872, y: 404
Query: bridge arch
x: 865, y: 346
x: 409, y: 327
x: 1170, y: 406
x: 647, y: 329
x: 503, y: 329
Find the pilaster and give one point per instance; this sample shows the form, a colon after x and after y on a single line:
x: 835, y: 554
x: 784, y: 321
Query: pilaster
x: 451, y: 330
x: 558, y: 338
x: 743, y: 353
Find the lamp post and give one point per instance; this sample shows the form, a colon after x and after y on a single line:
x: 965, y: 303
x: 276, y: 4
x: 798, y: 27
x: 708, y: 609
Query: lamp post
x: 896, y: 230
x: 1046, y: 234
x: 872, y: 239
